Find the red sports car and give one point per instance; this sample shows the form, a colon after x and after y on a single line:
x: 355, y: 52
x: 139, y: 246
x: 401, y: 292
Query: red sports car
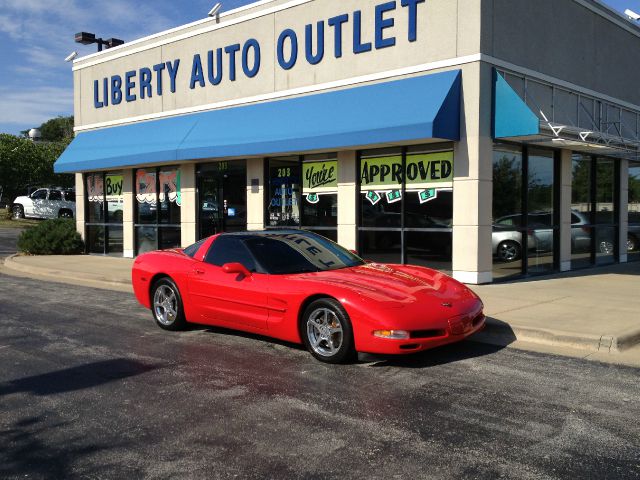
x: 300, y: 287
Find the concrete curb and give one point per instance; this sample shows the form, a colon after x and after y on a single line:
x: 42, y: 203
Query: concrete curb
x: 498, y: 332
x: 61, y: 276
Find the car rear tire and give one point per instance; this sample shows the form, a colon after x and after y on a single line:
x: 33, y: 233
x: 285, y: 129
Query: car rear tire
x: 632, y: 243
x: 509, y: 251
x: 166, y: 305
x: 326, y: 331
x: 17, y: 212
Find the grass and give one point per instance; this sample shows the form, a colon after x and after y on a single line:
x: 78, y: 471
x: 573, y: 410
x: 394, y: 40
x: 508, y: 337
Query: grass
x: 6, y: 222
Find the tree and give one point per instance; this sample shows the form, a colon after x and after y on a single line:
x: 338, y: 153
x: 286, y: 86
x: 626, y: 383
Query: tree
x: 507, y: 186
x: 57, y: 129
x: 25, y: 164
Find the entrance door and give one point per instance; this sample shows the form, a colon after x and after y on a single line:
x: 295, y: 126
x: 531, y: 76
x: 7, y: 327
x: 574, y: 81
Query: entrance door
x: 222, y: 197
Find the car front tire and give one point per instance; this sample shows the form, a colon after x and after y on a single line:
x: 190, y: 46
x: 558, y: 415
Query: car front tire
x: 17, y: 212
x: 327, y: 332
x: 632, y: 243
x: 65, y: 214
x: 166, y: 305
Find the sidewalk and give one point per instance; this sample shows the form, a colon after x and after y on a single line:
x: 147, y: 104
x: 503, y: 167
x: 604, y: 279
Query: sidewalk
x: 595, y: 311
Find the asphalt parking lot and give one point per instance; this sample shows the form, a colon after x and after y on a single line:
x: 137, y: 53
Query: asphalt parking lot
x: 91, y: 388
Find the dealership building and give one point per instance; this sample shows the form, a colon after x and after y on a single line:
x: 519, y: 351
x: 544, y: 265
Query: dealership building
x: 491, y: 139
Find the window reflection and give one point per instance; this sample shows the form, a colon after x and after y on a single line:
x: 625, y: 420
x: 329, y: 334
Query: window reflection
x: 633, y: 212
x: 284, y: 192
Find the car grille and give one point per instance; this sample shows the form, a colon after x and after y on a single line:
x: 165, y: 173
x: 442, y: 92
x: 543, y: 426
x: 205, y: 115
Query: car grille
x: 428, y: 333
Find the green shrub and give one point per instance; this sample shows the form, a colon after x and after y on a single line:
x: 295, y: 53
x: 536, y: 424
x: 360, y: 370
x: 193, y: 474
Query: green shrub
x: 52, y: 237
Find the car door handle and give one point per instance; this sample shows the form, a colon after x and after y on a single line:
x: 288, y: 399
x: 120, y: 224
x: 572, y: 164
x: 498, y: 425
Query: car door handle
x: 198, y: 271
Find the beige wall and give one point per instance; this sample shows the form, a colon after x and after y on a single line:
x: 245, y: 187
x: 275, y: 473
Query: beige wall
x: 189, y: 207
x: 442, y: 34
x: 128, y: 218
x: 80, y: 220
x: 255, y: 200
x: 347, y: 208
x: 473, y: 179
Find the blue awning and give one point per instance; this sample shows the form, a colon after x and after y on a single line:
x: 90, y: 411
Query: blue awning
x: 416, y: 108
x: 511, y: 115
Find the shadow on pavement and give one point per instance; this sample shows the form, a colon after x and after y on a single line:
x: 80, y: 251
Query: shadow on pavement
x: 76, y: 378
x: 27, y: 450
x: 499, y: 332
x: 496, y: 336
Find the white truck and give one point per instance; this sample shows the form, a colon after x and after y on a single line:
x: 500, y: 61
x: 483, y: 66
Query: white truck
x: 45, y: 203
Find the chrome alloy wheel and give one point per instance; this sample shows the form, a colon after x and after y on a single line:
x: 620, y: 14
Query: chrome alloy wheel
x: 165, y: 305
x: 508, y: 251
x: 324, y: 331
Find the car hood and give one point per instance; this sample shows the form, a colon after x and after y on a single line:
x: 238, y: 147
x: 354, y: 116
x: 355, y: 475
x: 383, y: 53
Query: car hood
x: 21, y: 198
x: 395, y: 286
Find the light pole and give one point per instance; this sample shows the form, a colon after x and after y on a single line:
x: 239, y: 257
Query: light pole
x: 87, y: 38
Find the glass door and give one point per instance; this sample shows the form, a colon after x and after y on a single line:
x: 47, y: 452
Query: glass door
x: 222, y: 198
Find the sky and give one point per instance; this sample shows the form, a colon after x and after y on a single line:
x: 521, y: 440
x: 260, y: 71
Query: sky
x: 36, y: 35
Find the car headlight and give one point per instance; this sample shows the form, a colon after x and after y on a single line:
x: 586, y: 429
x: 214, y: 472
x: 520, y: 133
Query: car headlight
x: 392, y: 334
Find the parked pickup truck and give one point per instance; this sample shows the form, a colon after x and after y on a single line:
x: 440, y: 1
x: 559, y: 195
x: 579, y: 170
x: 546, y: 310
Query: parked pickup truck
x: 45, y: 203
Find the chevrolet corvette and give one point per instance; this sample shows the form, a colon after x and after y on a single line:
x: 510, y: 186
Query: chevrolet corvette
x: 299, y: 287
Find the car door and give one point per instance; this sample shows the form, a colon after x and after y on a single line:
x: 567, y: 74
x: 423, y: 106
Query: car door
x: 229, y: 299
x: 53, y: 204
x: 38, y: 203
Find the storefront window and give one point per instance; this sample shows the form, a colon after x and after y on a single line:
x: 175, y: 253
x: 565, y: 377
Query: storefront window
x: 525, y: 217
x: 606, y: 228
x: 406, y: 206
x: 633, y: 212
x: 594, y: 229
x: 507, y: 236
x: 581, y: 230
x: 104, y: 203
x: 283, y: 208
x: 541, y: 219
x: 158, y: 201
x: 320, y: 194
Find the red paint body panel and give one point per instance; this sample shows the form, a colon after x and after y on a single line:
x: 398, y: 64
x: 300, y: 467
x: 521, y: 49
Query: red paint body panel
x: 376, y: 297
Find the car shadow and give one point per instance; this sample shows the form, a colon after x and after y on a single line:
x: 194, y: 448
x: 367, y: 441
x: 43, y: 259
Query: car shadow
x: 239, y: 333
x: 495, y: 336
x: 435, y: 357
x: 76, y: 378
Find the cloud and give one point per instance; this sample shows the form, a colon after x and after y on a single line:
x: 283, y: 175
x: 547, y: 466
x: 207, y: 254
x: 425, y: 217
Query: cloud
x: 35, y: 105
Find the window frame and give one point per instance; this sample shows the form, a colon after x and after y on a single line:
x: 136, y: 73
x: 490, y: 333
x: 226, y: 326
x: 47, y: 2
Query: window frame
x: 156, y: 225
x: 105, y: 213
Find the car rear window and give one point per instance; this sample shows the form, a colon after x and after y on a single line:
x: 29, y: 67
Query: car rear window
x: 55, y: 195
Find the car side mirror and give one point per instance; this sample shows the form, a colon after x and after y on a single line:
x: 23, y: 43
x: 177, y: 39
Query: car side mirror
x: 236, y: 268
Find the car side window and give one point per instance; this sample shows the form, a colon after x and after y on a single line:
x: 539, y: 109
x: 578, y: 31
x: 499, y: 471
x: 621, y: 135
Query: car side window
x: 39, y: 195
x: 55, y: 195
x: 229, y: 249
x: 70, y: 196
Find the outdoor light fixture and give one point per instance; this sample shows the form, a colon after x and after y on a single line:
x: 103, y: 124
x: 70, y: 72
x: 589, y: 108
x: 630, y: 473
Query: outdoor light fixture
x: 215, y: 11
x: 71, y: 57
x: 87, y: 38
x: 632, y: 15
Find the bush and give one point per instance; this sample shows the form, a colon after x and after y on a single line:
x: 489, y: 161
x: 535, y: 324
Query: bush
x: 52, y: 237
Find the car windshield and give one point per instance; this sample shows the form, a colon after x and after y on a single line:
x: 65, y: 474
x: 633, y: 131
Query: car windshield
x: 299, y: 252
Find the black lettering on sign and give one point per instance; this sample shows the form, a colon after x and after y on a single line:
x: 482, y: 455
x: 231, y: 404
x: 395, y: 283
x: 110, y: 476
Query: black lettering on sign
x: 318, y: 178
